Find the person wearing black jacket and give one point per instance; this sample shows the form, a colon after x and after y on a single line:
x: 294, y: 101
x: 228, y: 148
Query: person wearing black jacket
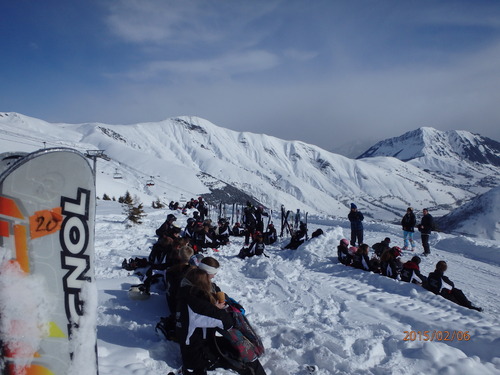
x: 257, y: 247
x: 360, y: 259
x: 382, y: 246
x: 249, y: 222
x: 167, y: 228
x: 298, y: 237
x: 408, y: 223
x: 390, y: 264
x: 343, y: 252
x: 425, y: 228
x: 198, y: 314
x: 440, y: 284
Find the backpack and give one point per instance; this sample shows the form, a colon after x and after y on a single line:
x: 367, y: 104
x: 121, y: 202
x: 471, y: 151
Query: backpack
x: 379, y: 248
x: 240, y: 344
x: 318, y: 232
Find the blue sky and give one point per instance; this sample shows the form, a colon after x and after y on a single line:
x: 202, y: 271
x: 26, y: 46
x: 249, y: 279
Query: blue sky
x: 323, y: 71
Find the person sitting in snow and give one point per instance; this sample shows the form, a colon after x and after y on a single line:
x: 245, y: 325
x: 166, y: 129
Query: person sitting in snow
x: 173, y: 277
x: 204, y: 237
x: 271, y: 235
x: 257, y: 247
x: 199, y: 314
x: 166, y: 229
x: 390, y: 263
x: 360, y: 259
x: 382, y: 246
x: 440, y: 284
x: 411, y: 272
x: 188, y: 231
x: 298, y: 237
x: 238, y: 230
x: 343, y: 252
x: 222, y: 231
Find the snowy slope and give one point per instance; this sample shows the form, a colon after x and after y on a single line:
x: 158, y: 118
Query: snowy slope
x: 480, y: 217
x: 309, y: 309
x: 180, y: 154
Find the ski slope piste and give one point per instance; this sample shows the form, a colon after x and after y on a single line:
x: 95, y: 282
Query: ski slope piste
x: 47, y: 215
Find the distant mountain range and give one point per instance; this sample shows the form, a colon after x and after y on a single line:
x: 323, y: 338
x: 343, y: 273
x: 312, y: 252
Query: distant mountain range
x: 184, y: 157
x: 455, y: 157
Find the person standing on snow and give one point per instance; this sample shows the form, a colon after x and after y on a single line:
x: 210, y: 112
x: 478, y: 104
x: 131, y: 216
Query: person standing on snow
x: 408, y: 223
x: 425, y: 228
x: 356, y: 219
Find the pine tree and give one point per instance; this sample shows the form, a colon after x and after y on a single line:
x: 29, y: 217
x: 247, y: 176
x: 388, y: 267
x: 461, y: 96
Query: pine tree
x: 126, y: 199
x: 106, y: 197
x: 134, y: 210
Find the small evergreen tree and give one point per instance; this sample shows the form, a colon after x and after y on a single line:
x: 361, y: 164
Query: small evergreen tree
x: 134, y: 210
x: 126, y: 199
x: 105, y: 197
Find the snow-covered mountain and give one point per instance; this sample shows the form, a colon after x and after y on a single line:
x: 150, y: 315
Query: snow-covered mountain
x: 457, y: 157
x: 188, y: 156
x: 479, y: 217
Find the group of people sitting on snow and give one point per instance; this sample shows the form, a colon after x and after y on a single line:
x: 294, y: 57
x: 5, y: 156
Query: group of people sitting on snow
x: 202, y: 234
x: 198, y: 309
x: 386, y: 260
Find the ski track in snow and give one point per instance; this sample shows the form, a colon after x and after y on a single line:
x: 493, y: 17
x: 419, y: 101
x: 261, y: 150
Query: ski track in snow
x: 308, y: 308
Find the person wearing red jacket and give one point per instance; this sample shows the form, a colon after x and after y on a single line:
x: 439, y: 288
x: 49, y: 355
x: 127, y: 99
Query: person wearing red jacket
x: 411, y: 272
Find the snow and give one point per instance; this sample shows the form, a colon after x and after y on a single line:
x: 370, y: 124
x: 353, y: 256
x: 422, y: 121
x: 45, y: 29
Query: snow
x: 308, y: 308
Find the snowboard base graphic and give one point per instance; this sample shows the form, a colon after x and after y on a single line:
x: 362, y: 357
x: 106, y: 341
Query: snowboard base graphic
x: 47, y: 289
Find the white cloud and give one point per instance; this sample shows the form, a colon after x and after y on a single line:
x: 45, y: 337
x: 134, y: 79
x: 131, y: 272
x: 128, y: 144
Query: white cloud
x: 222, y: 66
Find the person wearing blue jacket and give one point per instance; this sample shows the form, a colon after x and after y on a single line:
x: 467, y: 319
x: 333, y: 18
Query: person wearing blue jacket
x: 356, y: 218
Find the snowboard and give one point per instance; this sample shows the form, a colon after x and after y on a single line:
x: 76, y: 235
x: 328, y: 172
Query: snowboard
x: 48, y: 296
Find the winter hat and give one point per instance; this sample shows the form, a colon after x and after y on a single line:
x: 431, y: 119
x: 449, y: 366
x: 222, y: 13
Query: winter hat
x: 387, y: 239
x: 353, y: 206
x: 344, y: 241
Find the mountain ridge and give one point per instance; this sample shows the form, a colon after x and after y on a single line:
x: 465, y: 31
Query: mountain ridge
x: 189, y: 156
